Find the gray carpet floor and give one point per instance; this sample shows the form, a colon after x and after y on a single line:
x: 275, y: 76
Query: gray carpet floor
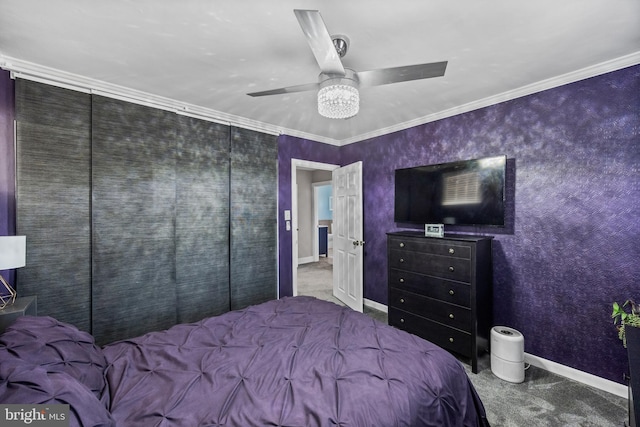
x: 544, y: 399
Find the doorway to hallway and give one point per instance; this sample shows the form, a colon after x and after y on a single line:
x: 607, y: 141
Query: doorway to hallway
x: 312, y: 271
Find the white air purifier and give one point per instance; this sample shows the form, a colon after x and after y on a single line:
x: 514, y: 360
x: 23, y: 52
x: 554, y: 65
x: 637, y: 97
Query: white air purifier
x: 507, y: 354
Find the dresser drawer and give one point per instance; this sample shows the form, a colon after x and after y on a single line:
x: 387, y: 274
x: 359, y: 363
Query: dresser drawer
x: 442, y: 312
x: 435, y: 287
x: 444, y: 336
x: 436, y: 265
x: 447, y: 248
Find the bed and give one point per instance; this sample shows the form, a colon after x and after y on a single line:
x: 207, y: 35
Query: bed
x: 296, y: 361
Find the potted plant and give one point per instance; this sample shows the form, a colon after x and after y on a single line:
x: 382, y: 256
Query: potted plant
x: 628, y: 316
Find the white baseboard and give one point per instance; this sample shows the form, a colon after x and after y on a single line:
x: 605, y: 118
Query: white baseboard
x: 375, y: 305
x: 577, y: 375
x: 591, y: 380
x: 305, y: 260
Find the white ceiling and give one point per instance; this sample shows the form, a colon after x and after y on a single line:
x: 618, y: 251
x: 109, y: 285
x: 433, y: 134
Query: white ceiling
x: 207, y: 54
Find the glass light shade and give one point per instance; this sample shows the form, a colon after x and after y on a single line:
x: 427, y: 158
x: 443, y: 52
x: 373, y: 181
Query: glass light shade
x: 338, y: 101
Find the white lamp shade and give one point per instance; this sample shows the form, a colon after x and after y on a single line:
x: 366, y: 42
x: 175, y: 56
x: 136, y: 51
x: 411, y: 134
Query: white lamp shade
x: 13, y: 252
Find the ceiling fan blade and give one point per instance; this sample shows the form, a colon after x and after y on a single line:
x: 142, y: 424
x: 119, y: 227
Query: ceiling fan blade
x: 289, y: 89
x: 386, y: 76
x: 320, y: 41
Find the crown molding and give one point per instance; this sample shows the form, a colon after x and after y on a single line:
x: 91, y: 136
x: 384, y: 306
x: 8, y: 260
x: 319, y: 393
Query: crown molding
x: 31, y: 71
x: 39, y: 73
x: 312, y: 137
x: 572, y: 77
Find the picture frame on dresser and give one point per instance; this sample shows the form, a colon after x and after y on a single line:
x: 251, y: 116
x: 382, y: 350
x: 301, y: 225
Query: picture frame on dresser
x: 441, y: 289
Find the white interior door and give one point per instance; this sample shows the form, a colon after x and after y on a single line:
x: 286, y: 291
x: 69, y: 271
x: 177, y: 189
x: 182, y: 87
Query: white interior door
x: 348, y: 240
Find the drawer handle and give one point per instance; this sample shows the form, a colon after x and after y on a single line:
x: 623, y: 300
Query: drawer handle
x: 451, y: 316
x: 401, y: 280
x: 451, y: 292
x: 402, y: 300
x: 401, y: 259
x: 402, y: 245
x: 450, y: 339
x: 451, y: 268
x: 401, y: 320
x: 452, y: 251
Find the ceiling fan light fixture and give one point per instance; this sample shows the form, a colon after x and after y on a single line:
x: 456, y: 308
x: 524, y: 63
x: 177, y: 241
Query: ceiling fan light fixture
x: 338, y: 101
x: 338, y: 97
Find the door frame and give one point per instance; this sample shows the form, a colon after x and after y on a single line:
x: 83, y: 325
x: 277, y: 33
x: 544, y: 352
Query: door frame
x: 302, y: 165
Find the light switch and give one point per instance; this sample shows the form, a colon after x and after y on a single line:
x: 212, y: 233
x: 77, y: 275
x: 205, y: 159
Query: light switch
x: 288, y: 225
x: 287, y: 217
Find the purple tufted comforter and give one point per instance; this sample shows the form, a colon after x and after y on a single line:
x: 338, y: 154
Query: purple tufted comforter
x: 289, y: 362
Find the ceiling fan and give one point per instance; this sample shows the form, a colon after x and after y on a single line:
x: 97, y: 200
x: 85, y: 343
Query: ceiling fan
x: 337, y: 86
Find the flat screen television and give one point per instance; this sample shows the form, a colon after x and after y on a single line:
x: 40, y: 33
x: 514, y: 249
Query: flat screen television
x: 469, y: 192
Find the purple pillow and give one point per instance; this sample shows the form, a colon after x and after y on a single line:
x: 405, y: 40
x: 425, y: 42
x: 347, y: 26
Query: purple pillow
x: 22, y: 383
x: 57, y: 347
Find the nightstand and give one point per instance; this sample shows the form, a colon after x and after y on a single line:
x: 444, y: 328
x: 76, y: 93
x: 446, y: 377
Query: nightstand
x: 24, y: 306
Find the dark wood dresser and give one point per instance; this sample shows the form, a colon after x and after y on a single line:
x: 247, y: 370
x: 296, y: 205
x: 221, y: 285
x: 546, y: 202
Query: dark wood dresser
x: 441, y: 290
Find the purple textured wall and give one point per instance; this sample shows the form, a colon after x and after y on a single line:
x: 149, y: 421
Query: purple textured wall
x: 570, y: 247
x: 294, y: 148
x: 7, y: 165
